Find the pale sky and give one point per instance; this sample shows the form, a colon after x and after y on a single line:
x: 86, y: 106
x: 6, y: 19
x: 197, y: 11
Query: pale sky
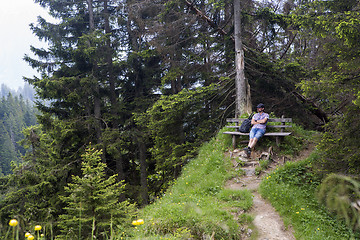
x: 16, y: 38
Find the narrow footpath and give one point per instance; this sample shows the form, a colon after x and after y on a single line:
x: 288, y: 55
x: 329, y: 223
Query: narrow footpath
x: 268, y: 223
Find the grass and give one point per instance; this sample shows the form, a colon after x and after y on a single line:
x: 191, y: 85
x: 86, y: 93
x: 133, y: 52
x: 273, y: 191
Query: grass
x: 291, y: 189
x: 197, y: 205
x: 263, y: 165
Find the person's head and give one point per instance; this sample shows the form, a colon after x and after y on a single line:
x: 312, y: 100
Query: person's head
x: 260, y: 107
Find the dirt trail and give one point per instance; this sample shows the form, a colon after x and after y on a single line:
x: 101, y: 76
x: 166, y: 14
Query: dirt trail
x: 268, y: 223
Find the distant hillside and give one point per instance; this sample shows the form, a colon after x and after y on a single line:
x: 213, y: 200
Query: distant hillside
x: 16, y: 113
x: 27, y: 92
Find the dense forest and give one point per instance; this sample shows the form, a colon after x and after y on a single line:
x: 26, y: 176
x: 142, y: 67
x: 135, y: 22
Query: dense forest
x: 16, y: 114
x: 142, y: 84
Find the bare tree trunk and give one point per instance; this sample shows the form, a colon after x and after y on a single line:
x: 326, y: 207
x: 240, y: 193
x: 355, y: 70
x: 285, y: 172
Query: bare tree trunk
x: 97, y: 102
x: 120, y: 171
x: 91, y: 15
x: 243, y: 98
x: 110, y: 66
x: 143, y: 171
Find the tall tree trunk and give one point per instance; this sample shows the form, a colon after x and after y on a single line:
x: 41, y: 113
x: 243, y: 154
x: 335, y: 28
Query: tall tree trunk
x: 143, y: 171
x: 91, y: 15
x: 243, y: 98
x: 120, y: 172
x: 97, y: 102
x: 135, y: 45
x: 110, y: 68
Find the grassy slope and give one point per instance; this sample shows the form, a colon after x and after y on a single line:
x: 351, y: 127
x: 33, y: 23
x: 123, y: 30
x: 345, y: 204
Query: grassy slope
x: 197, y: 205
x: 292, y: 189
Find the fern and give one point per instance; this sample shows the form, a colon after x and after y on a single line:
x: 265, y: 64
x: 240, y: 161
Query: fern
x: 341, y: 194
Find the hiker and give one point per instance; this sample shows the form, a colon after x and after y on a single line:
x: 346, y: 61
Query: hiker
x: 259, y: 121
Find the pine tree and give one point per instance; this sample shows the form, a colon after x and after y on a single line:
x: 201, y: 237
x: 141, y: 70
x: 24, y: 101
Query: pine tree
x: 15, y: 115
x: 93, y: 207
x: 7, y: 151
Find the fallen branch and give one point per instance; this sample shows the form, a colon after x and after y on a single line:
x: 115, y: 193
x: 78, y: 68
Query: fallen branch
x: 313, y: 107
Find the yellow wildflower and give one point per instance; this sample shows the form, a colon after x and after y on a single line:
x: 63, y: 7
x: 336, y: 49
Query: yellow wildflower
x: 137, y: 222
x: 37, y: 228
x: 13, y: 222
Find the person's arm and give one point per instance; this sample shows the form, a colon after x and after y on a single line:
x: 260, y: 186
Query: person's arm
x: 253, y: 121
x: 262, y: 121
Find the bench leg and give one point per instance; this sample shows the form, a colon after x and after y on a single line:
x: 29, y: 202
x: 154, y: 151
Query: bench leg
x: 234, y: 141
x: 278, y: 140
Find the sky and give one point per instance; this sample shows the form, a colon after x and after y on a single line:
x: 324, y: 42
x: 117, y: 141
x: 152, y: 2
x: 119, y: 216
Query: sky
x: 16, y: 38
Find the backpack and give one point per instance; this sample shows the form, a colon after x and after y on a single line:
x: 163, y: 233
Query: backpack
x: 246, y: 125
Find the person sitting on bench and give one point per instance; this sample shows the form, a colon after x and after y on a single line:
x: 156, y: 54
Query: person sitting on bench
x: 259, y: 121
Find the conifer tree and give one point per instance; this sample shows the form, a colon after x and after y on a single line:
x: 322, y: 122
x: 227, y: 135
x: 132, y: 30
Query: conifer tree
x: 7, y: 150
x: 93, y: 206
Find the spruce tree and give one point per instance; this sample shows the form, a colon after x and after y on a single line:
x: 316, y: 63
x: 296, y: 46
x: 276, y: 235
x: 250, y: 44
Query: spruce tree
x: 92, y: 202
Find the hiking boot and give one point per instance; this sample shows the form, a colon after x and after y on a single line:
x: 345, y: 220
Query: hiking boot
x: 247, y: 150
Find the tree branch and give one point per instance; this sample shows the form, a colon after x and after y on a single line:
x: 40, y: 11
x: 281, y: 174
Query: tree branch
x: 208, y: 20
x: 312, y: 107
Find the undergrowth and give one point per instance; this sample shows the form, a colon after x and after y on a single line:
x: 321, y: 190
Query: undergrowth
x: 292, y: 189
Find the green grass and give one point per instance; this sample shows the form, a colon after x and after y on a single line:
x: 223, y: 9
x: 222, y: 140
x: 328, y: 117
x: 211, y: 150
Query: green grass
x: 197, y: 205
x: 291, y: 189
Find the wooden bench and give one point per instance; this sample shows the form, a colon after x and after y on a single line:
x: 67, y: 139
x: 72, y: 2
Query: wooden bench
x: 282, y: 124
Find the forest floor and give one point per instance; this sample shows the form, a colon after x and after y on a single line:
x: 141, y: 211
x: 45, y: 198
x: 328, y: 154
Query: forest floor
x: 267, y: 222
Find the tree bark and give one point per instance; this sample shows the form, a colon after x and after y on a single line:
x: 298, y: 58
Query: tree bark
x: 96, y: 95
x: 243, y: 97
x: 110, y: 69
x: 143, y: 171
x: 120, y: 171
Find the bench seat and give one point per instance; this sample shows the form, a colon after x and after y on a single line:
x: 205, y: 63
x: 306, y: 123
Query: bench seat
x: 274, y: 134
x: 279, y: 123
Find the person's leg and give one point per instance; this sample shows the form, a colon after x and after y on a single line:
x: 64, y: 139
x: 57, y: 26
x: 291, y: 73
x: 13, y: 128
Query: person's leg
x: 252, y: 133
x: 257, y: 135
x: 253, y: 142
x: 251, y: 136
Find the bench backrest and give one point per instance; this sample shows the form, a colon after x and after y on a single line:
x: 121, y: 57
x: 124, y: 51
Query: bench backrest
x: 281, y: 122
x: 238, y: 121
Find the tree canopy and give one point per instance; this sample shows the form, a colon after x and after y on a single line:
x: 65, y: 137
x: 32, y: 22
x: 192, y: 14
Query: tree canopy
x: 147, y: 82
